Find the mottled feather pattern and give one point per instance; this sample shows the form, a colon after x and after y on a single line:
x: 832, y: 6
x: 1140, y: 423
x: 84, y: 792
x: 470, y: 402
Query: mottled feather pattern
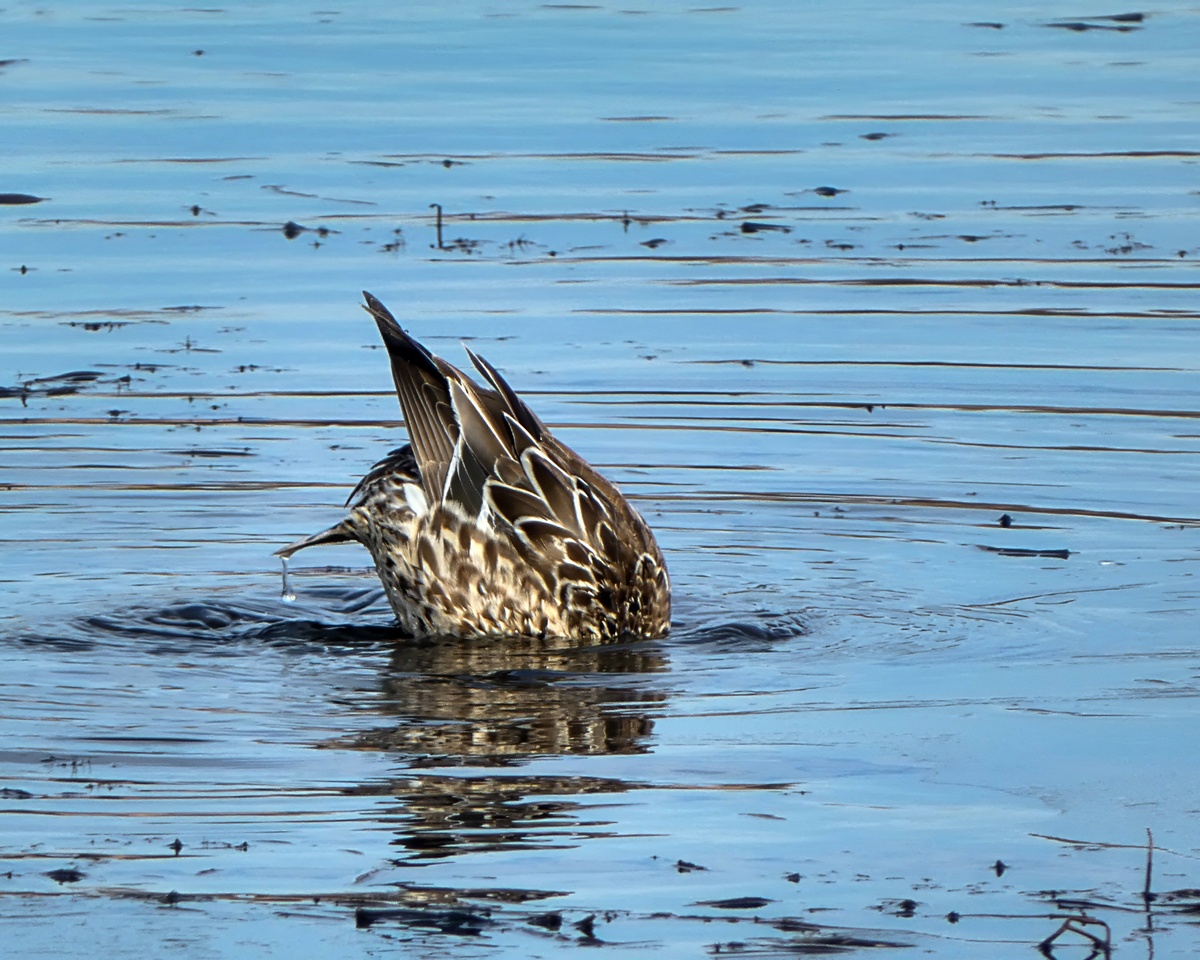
x: 486, y: 525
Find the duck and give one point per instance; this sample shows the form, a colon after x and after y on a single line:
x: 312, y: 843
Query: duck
x: 486, y: 525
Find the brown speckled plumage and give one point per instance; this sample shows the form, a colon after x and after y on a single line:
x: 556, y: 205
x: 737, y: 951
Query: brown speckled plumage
x: 486, y: 525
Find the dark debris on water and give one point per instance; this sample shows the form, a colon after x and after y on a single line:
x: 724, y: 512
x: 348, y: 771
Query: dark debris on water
x: 1058, y: 554
x: 66, y: 875
x: 460, y: 922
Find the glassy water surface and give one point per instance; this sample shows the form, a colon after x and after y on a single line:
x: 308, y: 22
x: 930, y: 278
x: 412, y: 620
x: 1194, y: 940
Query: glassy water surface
x: 886, y: 319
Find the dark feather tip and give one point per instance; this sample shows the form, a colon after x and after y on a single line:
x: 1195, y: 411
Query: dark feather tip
x: 398, y: 343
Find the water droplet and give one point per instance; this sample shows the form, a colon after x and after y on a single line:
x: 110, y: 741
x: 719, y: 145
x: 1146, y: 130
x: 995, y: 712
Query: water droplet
x: 287, y: 596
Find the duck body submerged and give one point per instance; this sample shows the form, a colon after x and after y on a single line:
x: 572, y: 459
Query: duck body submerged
x: 485, y: 525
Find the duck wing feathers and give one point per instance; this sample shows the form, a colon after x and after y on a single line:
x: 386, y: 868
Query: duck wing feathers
x: 484, y: 451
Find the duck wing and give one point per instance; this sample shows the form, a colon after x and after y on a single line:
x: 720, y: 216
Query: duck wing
x: 485, y: 451
x: 424, y: 399
x: 459, y: 433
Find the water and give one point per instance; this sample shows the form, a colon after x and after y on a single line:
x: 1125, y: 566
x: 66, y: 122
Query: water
x: 286, y: 593
x: 828, y: 292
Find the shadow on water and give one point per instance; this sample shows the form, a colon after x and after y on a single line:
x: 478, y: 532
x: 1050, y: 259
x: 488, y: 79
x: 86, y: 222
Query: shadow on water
x: 455, y: 751
x: 426, y: 708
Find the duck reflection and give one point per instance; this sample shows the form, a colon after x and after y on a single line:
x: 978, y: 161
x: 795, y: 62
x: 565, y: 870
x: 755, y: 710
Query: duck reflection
x: 453, y: 703
x: 441, y: 816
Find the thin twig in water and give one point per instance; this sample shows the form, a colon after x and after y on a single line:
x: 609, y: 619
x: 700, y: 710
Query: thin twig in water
x: 1147, y: 896
x: 1105, y: 845
x: 438, y: 208
x: 1101, y: 946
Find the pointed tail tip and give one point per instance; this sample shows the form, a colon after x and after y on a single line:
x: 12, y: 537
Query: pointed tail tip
x: 382, y: 315
x: 374, y: 305
x: 400, y: 344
